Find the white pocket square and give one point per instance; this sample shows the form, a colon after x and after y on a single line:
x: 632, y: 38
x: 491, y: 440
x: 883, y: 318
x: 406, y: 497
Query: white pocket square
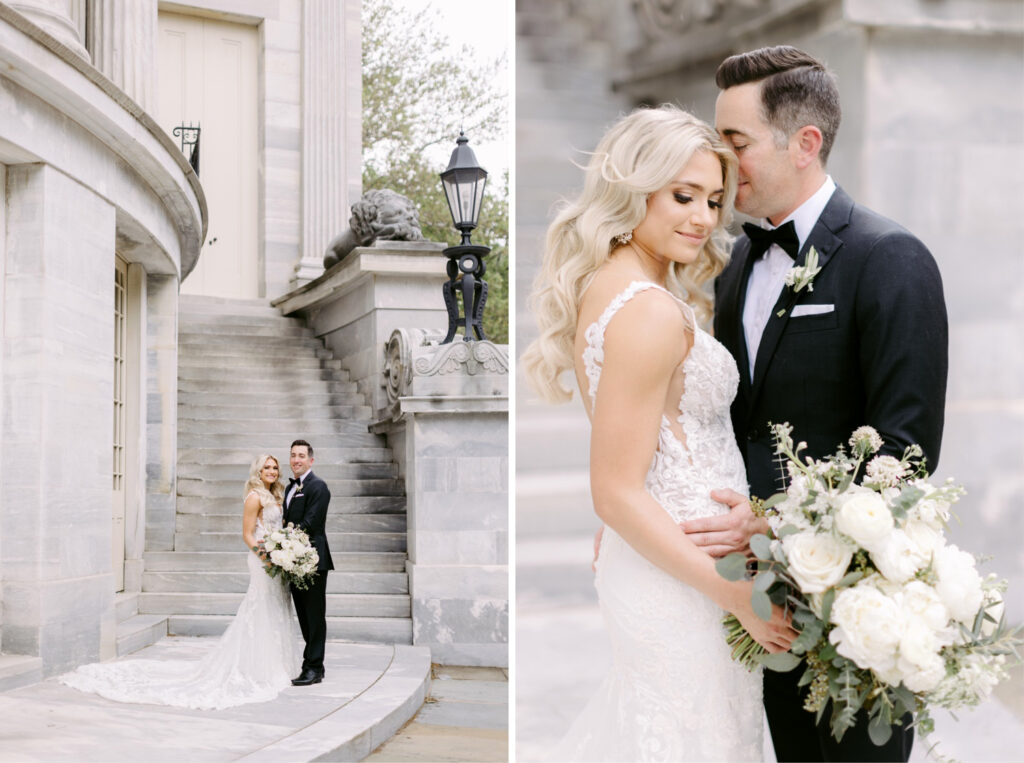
x: 812, y: 310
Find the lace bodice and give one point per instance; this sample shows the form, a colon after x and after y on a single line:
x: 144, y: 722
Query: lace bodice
x: 270, y: 518
x: 685, y: 469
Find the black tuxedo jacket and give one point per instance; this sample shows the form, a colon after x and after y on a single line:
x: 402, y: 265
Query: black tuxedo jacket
x: 878, y: 356
x: 308, y: 512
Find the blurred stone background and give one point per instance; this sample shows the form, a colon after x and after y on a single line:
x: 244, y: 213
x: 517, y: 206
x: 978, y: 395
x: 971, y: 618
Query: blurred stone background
x: 932, y: 137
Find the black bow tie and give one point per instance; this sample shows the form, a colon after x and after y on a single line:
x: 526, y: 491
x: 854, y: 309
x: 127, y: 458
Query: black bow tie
x: 761, y: 239
x: 294, y: 481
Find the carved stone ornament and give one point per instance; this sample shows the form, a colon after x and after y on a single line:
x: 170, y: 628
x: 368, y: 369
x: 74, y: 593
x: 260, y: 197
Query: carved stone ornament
x: 660, y: 19
x: 381, y: 214
x: 417, y: 365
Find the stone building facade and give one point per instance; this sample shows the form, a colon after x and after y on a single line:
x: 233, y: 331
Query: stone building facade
x: 119, y: 264
x: 932, y: 137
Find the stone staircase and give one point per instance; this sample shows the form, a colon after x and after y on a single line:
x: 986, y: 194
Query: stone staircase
x: 249, y: 382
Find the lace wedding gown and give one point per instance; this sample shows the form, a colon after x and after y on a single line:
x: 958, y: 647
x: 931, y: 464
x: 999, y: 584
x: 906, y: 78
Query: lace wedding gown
x: 673, y: 693
x: 255, y: 658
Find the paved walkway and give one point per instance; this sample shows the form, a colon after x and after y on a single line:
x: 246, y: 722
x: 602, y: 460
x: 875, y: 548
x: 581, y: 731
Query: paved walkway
x: 562, y: 654
x: 465, y: 718
x: 369, y: 692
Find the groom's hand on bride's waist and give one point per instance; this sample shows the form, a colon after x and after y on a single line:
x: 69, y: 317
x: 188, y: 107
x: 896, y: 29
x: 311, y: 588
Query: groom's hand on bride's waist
x: 726, y: 533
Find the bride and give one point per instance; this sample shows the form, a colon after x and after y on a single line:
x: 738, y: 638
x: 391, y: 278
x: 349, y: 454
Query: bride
x: 256, y: 656
x: 619, y: 301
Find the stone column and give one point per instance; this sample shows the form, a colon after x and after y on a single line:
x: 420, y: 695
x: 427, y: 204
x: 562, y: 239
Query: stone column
x: 331, y: 137
x: 448, y: 427
x: 55, y: 508
x: 161, y: 410
x: 59, y: 18
x: 122, y: 40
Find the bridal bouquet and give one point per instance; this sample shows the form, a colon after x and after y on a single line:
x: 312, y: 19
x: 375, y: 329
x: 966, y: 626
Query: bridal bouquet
x: 290, y: 555
x: 892, y: 618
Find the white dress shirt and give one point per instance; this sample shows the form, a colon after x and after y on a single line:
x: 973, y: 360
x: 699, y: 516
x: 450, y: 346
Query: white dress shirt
x: 294, y: 488
x: 768, y: 275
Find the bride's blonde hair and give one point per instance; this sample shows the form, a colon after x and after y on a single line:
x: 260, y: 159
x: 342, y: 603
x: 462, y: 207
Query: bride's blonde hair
x: 254, y: 484
x: 642, y: 153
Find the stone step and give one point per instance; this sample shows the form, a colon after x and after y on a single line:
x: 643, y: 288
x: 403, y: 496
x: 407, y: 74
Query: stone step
x: 243, y: 402
x: 21, y: 670
x: 233, y: 305
x: 231, y: 489
x: 253, y: 366
x: 343, y: 425
x: 227, y: 318
x: 204, y: 340
x: 356, y: 412
x: 297, y: 388
x: 338, y: 604
x: 243, y: 330
x: 238, y: 582
x: 340, y: 504
x: 232, y: 541
x: 245, y: 454
x: 380, y: 630
x: 126, y: 606
x: 235, y: 561
x: 336, y: 523
x: 257, y: 443
x: 139, y: 632
x: 282, y: 374
x: 240, y: 472
x: 201, y: 349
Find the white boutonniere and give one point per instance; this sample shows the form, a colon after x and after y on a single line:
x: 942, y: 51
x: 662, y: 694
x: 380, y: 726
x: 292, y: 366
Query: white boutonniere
x: 802, y: 277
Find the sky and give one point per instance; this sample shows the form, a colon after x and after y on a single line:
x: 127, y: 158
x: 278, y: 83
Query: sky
x: 486, y: 27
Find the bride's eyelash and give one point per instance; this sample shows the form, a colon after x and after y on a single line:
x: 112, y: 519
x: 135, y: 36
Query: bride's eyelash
x: 715, y: 204
x: 683, y: 198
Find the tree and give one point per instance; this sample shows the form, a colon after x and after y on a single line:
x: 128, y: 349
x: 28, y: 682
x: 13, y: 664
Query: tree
x: 417, y: 95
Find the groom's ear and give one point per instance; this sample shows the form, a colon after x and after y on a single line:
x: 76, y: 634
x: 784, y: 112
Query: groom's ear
x: 805, y: 146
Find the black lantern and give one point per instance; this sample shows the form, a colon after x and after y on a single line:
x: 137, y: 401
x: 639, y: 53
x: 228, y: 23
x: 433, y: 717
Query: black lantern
x: 463, y: 183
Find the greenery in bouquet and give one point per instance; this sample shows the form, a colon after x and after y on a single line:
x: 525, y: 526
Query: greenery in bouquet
x: 892, y: 618
x: 289, y: 555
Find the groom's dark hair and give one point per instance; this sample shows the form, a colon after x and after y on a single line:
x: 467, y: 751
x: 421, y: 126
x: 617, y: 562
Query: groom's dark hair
x: 798, y: 90
x: 309, y: 448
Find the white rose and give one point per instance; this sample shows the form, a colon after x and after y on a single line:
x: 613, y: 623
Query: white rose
x: 864, y: 517
x: 869, y: 626
x: 897, y: 558
x: 959, y: 583
x: 817, y: 562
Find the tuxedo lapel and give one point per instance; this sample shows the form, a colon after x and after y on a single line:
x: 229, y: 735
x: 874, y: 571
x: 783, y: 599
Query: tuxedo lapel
x: 823, y: 238
x: 735, y: 293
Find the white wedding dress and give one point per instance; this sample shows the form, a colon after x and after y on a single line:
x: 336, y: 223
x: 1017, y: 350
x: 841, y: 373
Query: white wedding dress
x: 673, y: 693
x: 255, y: 658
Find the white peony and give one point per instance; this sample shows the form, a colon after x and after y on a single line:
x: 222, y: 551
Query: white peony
x: 816, y: 561
x: 869, y: 626
x: 921, y: 601
x: 926, y: 538
x: 959, y: 583
x: 864, y: 517
x: 282, y: 559
x: 897, y: 558
x: 919, y: 662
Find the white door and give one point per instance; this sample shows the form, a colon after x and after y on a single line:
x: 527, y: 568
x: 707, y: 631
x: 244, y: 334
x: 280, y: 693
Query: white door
x: 207, y: 76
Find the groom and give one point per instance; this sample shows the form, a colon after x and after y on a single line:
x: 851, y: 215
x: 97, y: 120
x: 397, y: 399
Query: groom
x: 305, y: 506
x: 868, y: 345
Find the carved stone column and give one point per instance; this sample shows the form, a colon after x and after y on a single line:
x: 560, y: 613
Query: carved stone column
x: 122, y: 40
x: 331, y: 139
x: 59, y: 18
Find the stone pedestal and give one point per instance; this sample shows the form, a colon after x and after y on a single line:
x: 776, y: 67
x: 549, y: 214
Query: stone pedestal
x: 358, y: 303
x: 447, y: 422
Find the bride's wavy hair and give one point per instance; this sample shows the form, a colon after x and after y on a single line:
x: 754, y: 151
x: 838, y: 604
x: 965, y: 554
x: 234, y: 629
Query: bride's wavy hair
x: 255, y: 482
x: 642, y: 153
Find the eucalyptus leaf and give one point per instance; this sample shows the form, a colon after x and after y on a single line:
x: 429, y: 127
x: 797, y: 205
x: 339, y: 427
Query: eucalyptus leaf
x: 761, y: 605
x: 847, y: 480
x: 775, y: 500
x: 781, y: 662
x: 828, y: 653
x: 764, y: 581
x: 761, y: 546
x: 803, y: 617
x: 786, y: 530
x: 879, y: 730
x: 806, y: 678
x: 732, y: 567
x: 826, y: 604
x: 849, y: 579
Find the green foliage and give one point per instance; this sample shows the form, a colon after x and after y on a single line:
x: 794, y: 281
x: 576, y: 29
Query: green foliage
x: 417, y: 95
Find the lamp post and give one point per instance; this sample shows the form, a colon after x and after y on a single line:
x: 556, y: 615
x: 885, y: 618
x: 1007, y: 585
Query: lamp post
x: 463, y: 184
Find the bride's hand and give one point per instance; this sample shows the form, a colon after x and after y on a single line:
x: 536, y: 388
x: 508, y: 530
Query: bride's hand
x: 775, y: 635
